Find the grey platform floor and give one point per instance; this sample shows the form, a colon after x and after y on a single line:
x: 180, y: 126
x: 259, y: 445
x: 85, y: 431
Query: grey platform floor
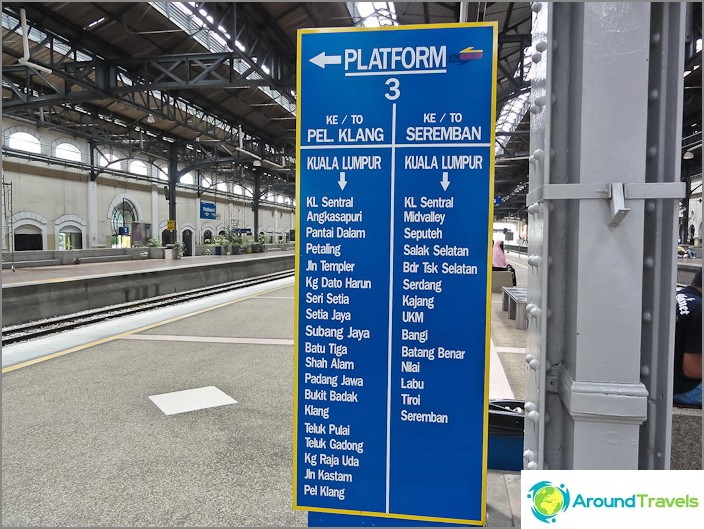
x: 84, y: 446
x: 71, y: 271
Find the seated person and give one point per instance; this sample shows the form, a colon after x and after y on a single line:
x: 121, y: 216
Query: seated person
x: 687, y: 387
x: 499, y: 260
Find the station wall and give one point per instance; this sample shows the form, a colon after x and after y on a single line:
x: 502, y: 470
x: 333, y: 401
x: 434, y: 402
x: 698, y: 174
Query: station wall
x: 54, y: 198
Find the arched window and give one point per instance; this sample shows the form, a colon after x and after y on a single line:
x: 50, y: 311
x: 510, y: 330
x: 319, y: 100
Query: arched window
x: 221, y: 186
x: 239, y: 190
x: 207, y: 235
x: 187, y: 179
x: 68, y: 151
x: 161, y: 173
x: 206, y: 182
x: 24, y: 141
x: 28, y: 237
x: 138, y: 167
x: 70, y: 238
x: 123, y: 215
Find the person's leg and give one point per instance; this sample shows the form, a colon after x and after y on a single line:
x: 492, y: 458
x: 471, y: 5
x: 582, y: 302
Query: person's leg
x: 692, y: 398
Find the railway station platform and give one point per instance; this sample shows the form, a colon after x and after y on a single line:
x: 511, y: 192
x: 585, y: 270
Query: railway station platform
x: 91, y: 435
x: 43, y: 292
x: 95, y: 431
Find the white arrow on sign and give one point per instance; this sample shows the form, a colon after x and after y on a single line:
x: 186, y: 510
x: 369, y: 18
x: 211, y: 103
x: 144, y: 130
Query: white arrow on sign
x: 444, y: 182
x: 321, y: 59
x: 342, y: 180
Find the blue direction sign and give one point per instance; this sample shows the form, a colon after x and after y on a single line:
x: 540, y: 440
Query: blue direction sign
x: 208, y: 210
x: 395, y: 189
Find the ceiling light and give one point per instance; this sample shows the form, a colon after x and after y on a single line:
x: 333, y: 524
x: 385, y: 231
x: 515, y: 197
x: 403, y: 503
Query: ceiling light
x: 688, y: 155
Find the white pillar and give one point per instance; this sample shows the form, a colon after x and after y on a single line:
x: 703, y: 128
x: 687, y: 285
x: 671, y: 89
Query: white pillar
x: 155, y: 212
x: 276, y: 222
x: 199, y: 230
x: 93, y: 232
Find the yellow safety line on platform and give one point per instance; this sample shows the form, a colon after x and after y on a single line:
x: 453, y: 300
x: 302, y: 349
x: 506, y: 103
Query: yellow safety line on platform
x: 127, y: 333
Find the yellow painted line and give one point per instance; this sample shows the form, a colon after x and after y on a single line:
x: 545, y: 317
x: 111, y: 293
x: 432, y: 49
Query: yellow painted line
x: 209, y: 339
x: 40, y: 281
x: 377, y: 514
x: 487, y: 345
x: 134, y: 331
x: 297, y: 264
x: 443, y: 25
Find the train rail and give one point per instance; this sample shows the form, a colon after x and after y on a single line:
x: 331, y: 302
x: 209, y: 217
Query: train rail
x: 28, y: 331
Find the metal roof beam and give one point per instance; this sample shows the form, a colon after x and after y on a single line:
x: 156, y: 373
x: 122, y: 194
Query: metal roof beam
x: 284, y: 80
x: 98, y: 78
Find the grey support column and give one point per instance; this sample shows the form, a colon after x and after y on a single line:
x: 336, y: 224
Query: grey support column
x: 587, y: 190
x: 256, y: 197
x: 154, y: 217
x: 93, y: 229
x: 171, y: 191
x: 665, y: 92
x: 197, y: 221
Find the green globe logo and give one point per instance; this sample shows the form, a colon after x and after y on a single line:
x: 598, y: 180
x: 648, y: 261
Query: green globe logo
x: 548, y: 500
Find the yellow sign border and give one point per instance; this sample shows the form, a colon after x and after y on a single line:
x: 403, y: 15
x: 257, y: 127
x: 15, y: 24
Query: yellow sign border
x: 487, y: 352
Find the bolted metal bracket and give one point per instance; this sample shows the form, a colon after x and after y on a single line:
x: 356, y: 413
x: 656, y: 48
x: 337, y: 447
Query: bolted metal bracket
x: 618, y: 205
x: 552, y: 378
x: 616, y: 192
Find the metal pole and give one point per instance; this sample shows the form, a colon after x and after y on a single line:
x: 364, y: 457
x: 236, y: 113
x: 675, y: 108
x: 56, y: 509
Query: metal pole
x: 464, y: 11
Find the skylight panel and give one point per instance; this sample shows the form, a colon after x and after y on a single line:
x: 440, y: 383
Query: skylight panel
x: 373, y: 14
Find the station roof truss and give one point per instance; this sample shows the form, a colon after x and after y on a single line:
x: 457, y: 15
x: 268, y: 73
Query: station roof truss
x: 215, y: 81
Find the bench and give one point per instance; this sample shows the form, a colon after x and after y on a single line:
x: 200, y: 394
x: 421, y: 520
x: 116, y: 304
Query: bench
x: 28, y: 264
x: 514, y: 301
x: 500, y: 279
x: 105, y: 258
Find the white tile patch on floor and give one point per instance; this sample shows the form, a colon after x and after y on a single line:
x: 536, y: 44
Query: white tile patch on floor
x: 191, y: 400
x: 499, y: 388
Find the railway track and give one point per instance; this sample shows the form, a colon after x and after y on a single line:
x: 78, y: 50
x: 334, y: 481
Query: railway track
x: 36, y: 329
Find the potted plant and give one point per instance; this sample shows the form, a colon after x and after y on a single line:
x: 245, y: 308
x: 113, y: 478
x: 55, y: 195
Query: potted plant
x: 179, y: 250
x: 154, y: 249
x: 221, y: 245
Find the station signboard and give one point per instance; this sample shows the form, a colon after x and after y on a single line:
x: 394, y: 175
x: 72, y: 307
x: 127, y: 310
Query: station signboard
x: 394, y: 214
x: 208, y: 210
